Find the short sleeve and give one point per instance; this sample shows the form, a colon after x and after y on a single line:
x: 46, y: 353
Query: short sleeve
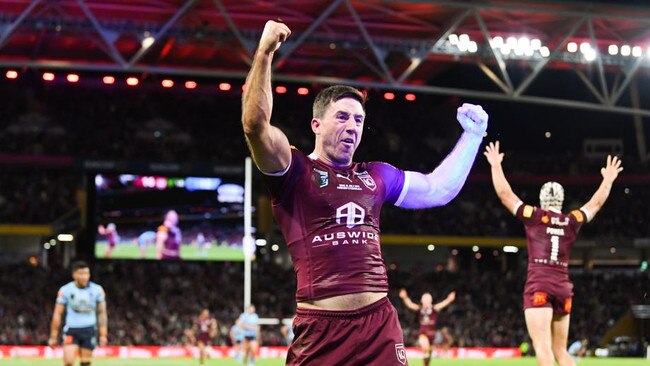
x: 395, y: 182
x: 61, y: 298
x: 577, y: 218
x: 529, y: 215
x: 101, y: 295
x: 277, y: 183
x: 163, y: 229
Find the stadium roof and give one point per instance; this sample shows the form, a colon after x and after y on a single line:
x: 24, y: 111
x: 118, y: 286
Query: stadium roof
x: 505, y: 47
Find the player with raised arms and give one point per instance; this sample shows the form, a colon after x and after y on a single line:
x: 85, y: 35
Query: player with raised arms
x: 428, y: 318
x: 328, y: 208
x: 550, y: 235
x: 205, y: 329
x: 84, y: 304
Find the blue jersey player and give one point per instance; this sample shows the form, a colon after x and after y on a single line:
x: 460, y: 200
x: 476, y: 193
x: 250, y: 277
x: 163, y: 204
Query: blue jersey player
x: 249, y: 322
x: 84, y: 303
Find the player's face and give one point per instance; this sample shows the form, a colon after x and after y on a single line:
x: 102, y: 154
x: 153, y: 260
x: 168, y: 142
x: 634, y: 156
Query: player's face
x: 172, y: 217
x: 339, y: 131
x: 251, y: 309
x: 205, y: 313
x: 81, y: 276
x: 427, y: 299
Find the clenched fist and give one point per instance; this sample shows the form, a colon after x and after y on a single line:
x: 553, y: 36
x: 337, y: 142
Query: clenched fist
x: 473, y: 118
x: 273, y: 35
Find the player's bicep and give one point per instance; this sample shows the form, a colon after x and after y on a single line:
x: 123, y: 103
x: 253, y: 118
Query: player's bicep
x: 59, y: 309
x: 511, y: 202
x: 418, y: 192
x: 270, y: 149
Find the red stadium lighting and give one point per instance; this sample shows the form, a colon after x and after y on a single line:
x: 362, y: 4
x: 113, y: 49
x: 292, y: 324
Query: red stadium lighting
x: 12, y: 74
x: 409, y: 97
x: 48, y: 76
x: 280, y: 89
x: 225, y: 86
x: 190, y: 84
x: 73, y: 78
x: 303, y: 91
x: 389, y: 96
x: 167, y: 83
x: 132, y: 81
x: 108, y: 80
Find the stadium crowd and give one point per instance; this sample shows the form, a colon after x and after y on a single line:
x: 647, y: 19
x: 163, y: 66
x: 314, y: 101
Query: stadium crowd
x: 153, y: 303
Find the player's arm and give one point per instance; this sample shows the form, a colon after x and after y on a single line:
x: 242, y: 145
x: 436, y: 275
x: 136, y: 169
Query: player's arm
x: 102, y: 323
x: 269, y: 146
x: 161, y: 237
x: 443, y: 184
x: 214, y: 328
x: 501, y: 185
x: 407, y: 301
x: 56, y: 324
x: 444, y: 303
x: 609, y: 173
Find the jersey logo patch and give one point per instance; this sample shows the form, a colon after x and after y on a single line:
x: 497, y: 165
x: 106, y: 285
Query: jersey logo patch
x: 367, y: 180
x: 351, y: 214
x: 528, y: 211
x: 540, y: 298
x: 578, y: 215
x: 567, y: 305
x: 401, y: 353
x: 545, y: 219
x: 323, y: 178
x: 68, y: 340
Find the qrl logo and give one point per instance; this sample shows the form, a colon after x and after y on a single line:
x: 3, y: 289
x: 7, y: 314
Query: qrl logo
x: 352, y: 213
x: 401, y: 353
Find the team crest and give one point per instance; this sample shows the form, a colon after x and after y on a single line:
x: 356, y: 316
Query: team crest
x: 323, y: 178
x: 367, y: 180
x: 401, y: 353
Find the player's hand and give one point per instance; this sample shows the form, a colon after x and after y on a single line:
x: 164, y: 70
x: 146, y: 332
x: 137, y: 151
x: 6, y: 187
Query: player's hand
x: 611, y: 170
x: 473, y: 118
x: 103, y: 341
x: 52, y: 342
x: 494, y: 157
x: 273, y: 35
x: 452, y: 296
x: 403, y: 294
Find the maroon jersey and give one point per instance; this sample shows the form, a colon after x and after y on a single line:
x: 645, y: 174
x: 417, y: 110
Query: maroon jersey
x: 330, y: 220
x: 428, y: 317
x: 112, y: 238
x: 550, y: 235
x: 204, y: 327
x: 172, y: 245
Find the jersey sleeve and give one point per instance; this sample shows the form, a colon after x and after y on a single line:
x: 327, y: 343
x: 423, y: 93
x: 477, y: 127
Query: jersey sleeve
x: 61, y: 298
x: 163, y: 229
x: 101, y: 295
x: 577, y: 218
x: 395, y: 182
x: 276, y: 183
x: 529, y: 215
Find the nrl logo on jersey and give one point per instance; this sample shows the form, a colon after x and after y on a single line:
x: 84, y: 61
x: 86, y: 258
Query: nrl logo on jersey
x: 322, y: 179
x: 367, y: 180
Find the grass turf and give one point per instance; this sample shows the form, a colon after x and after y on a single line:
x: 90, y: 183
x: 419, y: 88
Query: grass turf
x: 188, y: 252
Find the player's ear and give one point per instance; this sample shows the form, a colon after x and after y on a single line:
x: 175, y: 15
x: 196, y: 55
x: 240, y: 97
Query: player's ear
x: 315, y: 125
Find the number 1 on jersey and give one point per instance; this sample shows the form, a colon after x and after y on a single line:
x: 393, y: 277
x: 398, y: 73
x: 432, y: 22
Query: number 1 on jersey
x: 555, y: 247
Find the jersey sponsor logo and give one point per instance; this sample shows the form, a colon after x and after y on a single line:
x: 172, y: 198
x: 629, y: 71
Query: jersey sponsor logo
x: 540, y: 298
x: 528, y: 211
x: 367, y: 180
x: 400, y: 353
x: 578, y: 215
x: 345, y: 238
x: 545, y: 219
x: 346, y: 177
x: 555, y: 231
x: 351, y: 213
x: 322, y: 178
x: 567, y: 305
x: 558, y: 222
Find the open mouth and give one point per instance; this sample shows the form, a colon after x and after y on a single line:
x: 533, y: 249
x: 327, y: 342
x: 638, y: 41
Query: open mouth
x: 348, y: 141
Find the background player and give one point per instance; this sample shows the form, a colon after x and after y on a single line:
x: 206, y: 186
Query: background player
x: 144, y: 240
x: 550, y: 235
x: 205, y: 329
x: 249, y: 322
x: 110, y: 231
x: 287, y: 331
x: 428, y: 318
x: 329, y: 207
x: 237, y: 338
x: 84, y: 303
x: 168, y: 237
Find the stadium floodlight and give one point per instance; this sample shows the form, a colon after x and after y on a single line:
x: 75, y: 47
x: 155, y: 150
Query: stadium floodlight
x: 544, y: 51
x: 463, y: 38
x: 505, y: 49
x: 463, y: 46
x: 303, y: 91
x: 190, y: 84
x: 475, y: 248
x: 536, y: 44
x: 280, y: 89
x: 497, y: 42
x: 572, y: 47
x: 637, y: 51
x: 511, y: 42
x: 431, y: 247
x: 626, y: 50
x: 453, y: 39
x: 590, y: 54
x: 148, y: 41
x: 529, y: 51
x: 48, y: 76
x: 65, y: 237
x: 132, y: 81
x: 72, y: 78
x: 410, y: 97
x: 11, y: 74
x: 225, y: 86
x: 510, y: 249
x: 523, y: 42
x: 46, y: 246
x: 167, y: 83
x: 275, y: 247
x: 108, y: 80
x: 472, y: 47
x: 585, y: 47
x: 612, y: 49
x: 389, y: 96
x: 260, y: 242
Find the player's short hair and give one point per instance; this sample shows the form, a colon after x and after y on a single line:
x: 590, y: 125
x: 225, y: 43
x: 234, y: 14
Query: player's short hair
x: 78, y: 265
x: 551, y: 195
x: 333, y: 94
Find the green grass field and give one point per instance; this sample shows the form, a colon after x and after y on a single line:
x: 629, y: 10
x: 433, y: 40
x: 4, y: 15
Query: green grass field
x: 280, y: 362
x: 188, y: 252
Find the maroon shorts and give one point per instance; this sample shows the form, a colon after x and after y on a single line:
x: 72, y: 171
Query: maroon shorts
x: 429, y: 333
x: 204, y: 338
x: 558, y: 298
x: 368, y: 336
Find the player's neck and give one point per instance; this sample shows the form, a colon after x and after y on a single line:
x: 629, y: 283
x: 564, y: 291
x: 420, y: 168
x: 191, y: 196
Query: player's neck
x: 323, y: 158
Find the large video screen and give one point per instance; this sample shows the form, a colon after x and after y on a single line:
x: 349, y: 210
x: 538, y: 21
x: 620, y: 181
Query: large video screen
x: 168, y: 218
